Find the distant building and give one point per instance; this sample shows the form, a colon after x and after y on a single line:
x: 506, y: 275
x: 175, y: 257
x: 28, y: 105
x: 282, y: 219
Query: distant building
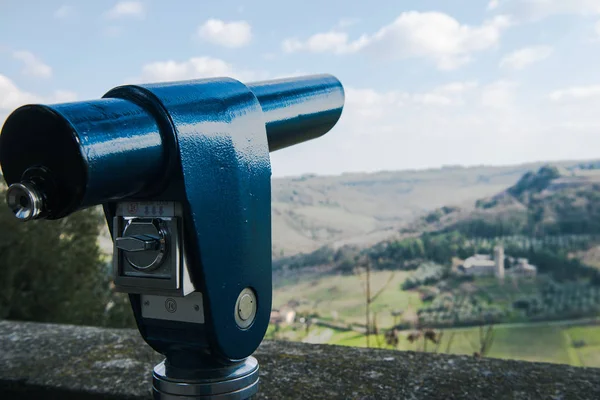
x: 479, y: 264
x: 285, y: 315
x: 522, y: 268
x: 499, y: 262
x: 483, y: 264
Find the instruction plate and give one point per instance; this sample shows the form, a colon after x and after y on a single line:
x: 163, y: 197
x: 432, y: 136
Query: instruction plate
x: 146, y: 209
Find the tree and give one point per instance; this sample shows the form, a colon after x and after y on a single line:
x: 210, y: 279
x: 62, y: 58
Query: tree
x: 53, y: 271
x: 370, y: 298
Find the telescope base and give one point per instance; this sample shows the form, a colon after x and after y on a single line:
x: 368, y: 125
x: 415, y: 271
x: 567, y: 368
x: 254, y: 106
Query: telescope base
x: 236, y: 382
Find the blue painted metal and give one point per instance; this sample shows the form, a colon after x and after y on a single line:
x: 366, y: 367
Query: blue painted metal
x: 219, y: 127
x: 95, y: 151
x: 204, y: 143
x: 299, y: 109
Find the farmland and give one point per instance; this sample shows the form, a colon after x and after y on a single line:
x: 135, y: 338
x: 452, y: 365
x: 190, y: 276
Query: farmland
x: 574, y: 345
x: 577, y: 345
x: 341, y: 299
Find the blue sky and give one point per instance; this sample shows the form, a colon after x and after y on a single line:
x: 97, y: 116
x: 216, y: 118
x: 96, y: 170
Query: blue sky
x: 428, y: 83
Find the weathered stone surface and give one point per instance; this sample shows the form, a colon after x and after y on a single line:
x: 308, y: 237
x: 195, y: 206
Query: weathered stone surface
x: 68, y: 362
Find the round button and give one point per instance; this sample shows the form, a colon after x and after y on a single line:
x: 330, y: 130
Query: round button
x: 245, y: 308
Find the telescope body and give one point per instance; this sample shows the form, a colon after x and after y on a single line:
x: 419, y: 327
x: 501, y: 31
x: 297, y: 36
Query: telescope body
x: 183, y: 173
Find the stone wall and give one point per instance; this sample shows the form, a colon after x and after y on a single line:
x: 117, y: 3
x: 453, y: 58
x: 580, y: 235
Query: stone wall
x: 43, y: 361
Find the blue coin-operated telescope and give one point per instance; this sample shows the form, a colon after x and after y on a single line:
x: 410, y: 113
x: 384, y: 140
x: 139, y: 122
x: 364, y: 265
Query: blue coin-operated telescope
x: 182, y: 170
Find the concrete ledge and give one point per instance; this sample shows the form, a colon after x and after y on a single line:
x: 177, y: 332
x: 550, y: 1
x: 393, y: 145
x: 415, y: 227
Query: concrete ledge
x: 42, y: 361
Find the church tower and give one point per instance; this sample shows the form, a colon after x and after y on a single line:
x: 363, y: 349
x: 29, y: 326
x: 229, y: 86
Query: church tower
x: 499, y: 262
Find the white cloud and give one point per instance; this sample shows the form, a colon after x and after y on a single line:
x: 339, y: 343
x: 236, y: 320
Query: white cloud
x: 198, y: 67
x: 12, y: 97
x: 492, y: 5
x: 457, y: 87
x: 63, y: 96
x: 125, y: 9
x: 500, y: 94
x: 32, y: 65
x: 64, y: 11
x: 524, y: 57
x: 228, y: 34
x: 431, y: 35
x: 335, y: 42
x: 396, y: 132
x: 368, y: 103
x: 576, y: 93
x: 467, y: 123
x: 371, y: 104
x: 447, y: 124
x: 194, y: 68
x: 451, y: 94
x: 539, y: 9
x: 597, y: 28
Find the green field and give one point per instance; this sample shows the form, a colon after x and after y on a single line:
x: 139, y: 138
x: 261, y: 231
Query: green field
x: 552, y: 344
x: 342, y: 297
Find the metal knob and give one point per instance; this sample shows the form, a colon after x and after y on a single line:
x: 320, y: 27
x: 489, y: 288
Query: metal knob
x: 24, y: 201
x: 138, y: 243
x: 144, y: 243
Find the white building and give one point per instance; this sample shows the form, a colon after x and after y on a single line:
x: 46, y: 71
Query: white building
x: 523, y: 268
x: 284, y: 315
x: 483, y: 264
x: 479, y: 264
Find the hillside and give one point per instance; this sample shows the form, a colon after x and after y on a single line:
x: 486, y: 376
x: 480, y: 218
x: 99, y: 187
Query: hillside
x: 552, y: 200
x: 363, y: 209
x: 547, y: 218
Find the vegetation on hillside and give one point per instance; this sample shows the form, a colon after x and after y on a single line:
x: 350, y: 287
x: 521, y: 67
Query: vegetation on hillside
x: 426, y: 274
x: 362, y: 209
x: 545, y: 216
x: 548, y: 202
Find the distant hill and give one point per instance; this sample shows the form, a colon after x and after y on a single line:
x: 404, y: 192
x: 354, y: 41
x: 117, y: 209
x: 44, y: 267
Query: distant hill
x: 552, y: 200
x: 362, y: 209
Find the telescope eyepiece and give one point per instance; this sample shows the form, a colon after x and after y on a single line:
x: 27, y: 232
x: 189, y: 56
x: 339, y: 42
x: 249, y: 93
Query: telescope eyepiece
x: 25, y: 201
